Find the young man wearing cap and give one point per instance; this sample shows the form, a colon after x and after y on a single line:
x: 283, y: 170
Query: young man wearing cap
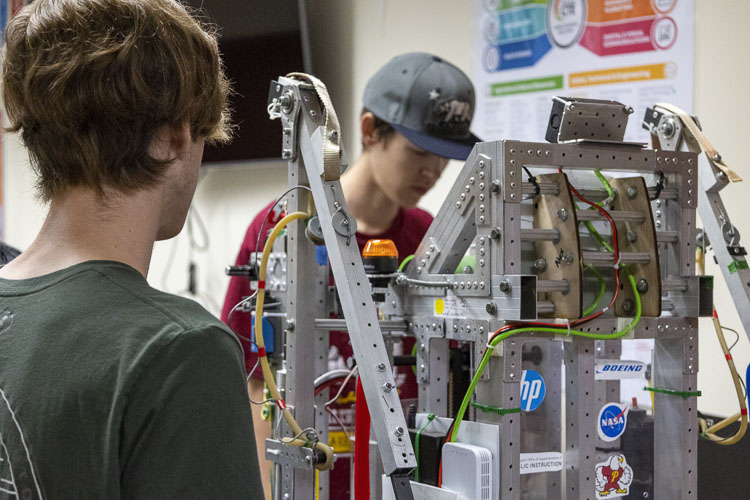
x: 108, y: 387
x: 416, y: 116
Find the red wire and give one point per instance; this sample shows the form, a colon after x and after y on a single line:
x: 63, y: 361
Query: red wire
x: 361, y: 445
x: 616, y: 271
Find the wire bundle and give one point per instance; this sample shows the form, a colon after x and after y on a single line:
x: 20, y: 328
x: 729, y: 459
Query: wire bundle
x: 554, y: 328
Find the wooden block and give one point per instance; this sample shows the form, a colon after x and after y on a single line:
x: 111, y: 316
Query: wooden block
x: 563, y: 256
x: 645, y: 241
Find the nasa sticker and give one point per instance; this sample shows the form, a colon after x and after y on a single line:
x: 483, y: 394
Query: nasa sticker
x: 613, y: 418
x: 532, y: 390
x: 613, y: 477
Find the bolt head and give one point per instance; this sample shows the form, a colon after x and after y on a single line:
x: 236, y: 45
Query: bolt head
x: 399, y: 431
x: 632, y: 192
x: 540, y: 264
x: 505, y: 286
x: 495, y: 233
x: 381, y: 367
x: 562, y: 214
x: 495, y: 187
x: 491, y: 308
x: 642, y: 286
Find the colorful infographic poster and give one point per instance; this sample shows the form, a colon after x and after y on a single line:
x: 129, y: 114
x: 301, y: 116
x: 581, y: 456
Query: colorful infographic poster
x: 638, y: 52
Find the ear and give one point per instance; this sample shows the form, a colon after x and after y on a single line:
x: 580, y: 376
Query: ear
x: 172, y: 141
x: 370, y: 136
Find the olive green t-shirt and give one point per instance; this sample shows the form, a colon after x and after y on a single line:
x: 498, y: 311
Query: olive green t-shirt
x: 112, y: 389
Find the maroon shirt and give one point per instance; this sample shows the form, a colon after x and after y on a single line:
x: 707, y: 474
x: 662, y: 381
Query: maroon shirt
x: 406, y: 232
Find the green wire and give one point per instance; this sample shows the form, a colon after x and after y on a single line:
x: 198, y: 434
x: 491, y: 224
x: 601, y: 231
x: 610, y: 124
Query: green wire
x: 404, y: 262
x: 559, y: 331
x: 605, y: 182
x: 430, y: 418
x: 600, y: 293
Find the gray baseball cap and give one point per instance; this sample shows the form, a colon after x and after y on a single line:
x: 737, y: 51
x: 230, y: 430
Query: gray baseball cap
x: 426, y: 99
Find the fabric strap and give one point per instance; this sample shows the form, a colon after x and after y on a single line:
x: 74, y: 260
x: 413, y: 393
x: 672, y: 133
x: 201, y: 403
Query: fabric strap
x: 697, y: 141
x: 331, y: 129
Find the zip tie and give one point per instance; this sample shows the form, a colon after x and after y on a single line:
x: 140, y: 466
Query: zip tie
x: 567, y: 322
x: 617, y: 263
x: 489, y: 346
x: 743, y: 411
x: 261, y: 352
x: 492, y: 409
x: 281, y: 404
x: 261, y: 285
x: 728, y: 356
x: 672, y: 392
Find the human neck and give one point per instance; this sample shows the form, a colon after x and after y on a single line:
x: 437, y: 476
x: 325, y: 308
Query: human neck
x: 79, y: 227
x: 367, y: 202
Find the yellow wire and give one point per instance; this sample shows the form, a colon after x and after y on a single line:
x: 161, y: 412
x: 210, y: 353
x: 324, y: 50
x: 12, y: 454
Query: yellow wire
x: 710, y: 433
x: 266, y: 367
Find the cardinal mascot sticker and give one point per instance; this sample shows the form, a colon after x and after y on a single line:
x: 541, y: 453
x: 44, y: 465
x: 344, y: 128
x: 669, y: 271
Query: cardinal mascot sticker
x: 613, y: 478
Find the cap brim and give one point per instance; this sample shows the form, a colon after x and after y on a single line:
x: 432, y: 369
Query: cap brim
x: 455, y: 150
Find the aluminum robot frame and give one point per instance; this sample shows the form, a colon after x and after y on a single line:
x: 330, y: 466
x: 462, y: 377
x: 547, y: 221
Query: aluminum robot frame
x: 530, y: 251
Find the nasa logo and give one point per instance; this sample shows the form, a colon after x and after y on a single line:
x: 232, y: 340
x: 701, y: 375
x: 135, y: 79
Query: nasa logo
x: 615, y: 369
x: 613, y: 418
x: 532, y: 390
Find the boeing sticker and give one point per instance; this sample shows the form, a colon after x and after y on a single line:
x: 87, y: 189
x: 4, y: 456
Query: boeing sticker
x: 617, y: 369
x: 613, y: 418
x: 532, y: 390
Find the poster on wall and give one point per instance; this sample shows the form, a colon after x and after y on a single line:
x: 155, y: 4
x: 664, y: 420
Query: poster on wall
x: 638, y: 52
x: 8, y: 9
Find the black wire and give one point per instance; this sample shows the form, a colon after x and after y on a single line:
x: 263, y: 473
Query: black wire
x: 193, y: 214
x: 737, y: 335
x: 533, y: 181
x: 659, y: 185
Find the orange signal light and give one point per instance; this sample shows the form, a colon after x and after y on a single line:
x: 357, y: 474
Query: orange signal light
x: 380, y: 248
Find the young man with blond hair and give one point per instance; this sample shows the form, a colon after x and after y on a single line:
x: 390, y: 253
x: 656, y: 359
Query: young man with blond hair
x: 108, y: 387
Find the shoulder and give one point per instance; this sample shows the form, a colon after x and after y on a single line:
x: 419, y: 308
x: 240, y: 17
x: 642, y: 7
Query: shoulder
x: 419, y: 217
x: 131, y: 299
x: 251, y: 235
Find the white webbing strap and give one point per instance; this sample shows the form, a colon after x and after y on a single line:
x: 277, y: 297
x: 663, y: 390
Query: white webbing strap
x: 696, y: 136
x: 331, y: 129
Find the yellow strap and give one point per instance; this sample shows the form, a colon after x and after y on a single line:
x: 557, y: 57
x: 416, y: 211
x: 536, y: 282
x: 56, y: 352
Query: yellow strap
x: 331, y: 129
x: 697, y: 141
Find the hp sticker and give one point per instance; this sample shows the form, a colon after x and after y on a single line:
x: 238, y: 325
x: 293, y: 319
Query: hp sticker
x: 613, y: 477
x: 613, y: 418
x: 532, y: 390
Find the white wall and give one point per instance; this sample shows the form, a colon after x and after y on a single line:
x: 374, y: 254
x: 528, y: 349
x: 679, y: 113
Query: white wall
x: 351, y: 40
